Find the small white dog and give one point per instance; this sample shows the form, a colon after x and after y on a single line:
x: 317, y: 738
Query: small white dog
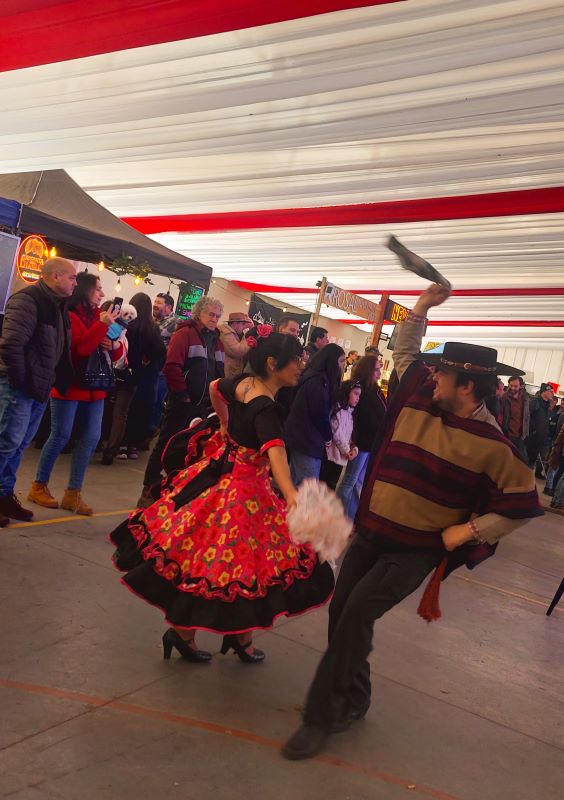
x: 128, y: 313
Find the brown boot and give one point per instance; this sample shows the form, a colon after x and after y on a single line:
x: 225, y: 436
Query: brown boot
x: 40, y: 494
x: 73, y: 501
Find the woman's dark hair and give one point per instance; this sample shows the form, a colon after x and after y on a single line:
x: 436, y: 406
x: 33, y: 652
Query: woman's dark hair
x: 280, y: 346
x: 85, y: 282
x: 144, y: 324
x: 327, y: 360
x: 344, y: 390
x: 363, y: 371
x: 484, y: 385
x: 141, y: 302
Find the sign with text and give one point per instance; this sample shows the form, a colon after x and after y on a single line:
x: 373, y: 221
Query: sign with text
x: 395, y: 313
x: 32, y: 254
x: 188, y: 296
x: 349, y: 302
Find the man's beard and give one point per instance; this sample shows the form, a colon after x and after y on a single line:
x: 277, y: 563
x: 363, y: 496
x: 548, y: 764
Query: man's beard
x: 441, y: 403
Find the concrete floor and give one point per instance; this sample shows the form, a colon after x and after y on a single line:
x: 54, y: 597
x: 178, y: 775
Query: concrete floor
x: 469, y: 708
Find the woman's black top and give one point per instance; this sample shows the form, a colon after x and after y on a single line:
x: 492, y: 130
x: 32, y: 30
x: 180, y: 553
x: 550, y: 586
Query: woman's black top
x: 368, y: 417
x: 253, y: 424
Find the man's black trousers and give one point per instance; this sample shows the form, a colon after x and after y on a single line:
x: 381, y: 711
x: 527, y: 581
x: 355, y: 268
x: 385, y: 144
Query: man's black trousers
x: 176, y: 416
x: 372, y: 580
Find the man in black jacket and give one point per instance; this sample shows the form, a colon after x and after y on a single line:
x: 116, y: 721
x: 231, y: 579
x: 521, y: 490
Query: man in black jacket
x: 539, y: 432
x: 34, y: 356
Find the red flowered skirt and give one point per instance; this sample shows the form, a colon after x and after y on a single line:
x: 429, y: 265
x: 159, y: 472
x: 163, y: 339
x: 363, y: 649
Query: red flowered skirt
x: 224, y: 560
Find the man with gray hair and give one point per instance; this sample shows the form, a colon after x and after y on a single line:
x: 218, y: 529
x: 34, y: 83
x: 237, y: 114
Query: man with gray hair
x: 195, y: 358
x: 34, y: 356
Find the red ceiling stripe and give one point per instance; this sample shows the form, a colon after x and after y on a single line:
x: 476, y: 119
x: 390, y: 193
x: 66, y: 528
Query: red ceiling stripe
x: 520, y: 292
x: 494, y: 204
x: 479, y: 323
x: 44, y: 31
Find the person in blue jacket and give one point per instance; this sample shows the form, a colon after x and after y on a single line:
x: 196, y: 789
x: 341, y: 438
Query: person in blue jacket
x: 308, y: 427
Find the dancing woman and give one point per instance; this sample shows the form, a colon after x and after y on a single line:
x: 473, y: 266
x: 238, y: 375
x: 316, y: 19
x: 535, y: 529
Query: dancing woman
x: 214, y: 551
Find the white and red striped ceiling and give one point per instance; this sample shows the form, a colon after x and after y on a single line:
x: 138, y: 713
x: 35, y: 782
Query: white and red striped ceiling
x: 280, y: 142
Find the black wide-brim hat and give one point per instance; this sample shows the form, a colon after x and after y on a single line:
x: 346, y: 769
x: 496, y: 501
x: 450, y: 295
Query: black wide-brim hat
x: 470, y: 359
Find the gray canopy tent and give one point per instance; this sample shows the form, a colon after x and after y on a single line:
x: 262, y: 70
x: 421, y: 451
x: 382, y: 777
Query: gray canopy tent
x: 55, y: 206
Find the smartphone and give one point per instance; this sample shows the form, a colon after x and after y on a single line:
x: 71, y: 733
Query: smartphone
x: 117, y: 303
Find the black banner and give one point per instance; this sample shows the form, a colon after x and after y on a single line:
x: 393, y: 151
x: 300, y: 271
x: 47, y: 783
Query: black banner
x: 264, y: 313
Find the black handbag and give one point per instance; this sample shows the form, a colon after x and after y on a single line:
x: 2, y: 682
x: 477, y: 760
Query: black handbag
x: 97, y: 372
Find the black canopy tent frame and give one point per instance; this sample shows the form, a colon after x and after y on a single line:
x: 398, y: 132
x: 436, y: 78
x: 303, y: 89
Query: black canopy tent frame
x: 58, y: 209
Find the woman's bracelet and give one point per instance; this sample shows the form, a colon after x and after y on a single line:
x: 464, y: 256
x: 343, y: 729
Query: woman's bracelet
x: 476, y: 535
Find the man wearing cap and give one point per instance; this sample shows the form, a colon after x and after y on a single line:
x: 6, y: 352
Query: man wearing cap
x: 539, y: 432
x: 234, y: 344
x: 442, y: 487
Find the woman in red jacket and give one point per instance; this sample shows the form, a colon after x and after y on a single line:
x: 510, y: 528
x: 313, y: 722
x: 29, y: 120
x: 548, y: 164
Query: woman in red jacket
x: 89, y: 331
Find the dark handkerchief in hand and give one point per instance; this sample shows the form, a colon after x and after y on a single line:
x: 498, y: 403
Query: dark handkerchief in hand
x: 414, y: 263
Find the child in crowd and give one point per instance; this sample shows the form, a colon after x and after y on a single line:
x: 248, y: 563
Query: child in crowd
x: 341, y: 449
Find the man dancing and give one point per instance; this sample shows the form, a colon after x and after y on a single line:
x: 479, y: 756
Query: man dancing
x: 443, y: 486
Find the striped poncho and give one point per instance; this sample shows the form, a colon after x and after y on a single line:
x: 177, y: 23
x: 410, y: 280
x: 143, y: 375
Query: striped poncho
x: 431, y: 469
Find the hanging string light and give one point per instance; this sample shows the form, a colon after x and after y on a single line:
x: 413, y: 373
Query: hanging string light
x: 137, y: 280
x: 118, y: 285
x: 101, y: 266
x: 53, y: 252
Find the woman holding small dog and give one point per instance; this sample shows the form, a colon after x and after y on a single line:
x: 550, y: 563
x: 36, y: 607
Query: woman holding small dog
x: 137, y: 384
x: 81, y: 402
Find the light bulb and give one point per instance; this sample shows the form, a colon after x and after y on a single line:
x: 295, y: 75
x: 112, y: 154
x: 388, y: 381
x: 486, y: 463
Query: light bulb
x: 137, y: 280
x: 247, y: 302
x: 101, y: 266
x: 118, y: 286
x: 53, y: 252
x: 284, y: 310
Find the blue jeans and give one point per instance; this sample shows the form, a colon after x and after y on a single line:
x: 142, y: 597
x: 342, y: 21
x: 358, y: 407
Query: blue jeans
x: 20, y: 416
x: 302, y: 466
x: 351, y: 484
x: 63, y: 414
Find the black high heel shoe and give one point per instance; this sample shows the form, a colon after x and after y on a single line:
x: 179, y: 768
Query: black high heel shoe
x: 231, y: 642
x: 173, y: 639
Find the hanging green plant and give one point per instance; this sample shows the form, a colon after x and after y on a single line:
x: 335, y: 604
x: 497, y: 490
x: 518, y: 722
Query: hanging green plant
x: 127, y: 265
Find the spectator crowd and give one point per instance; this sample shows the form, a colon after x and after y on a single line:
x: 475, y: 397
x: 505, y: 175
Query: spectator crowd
x: 119, y: 378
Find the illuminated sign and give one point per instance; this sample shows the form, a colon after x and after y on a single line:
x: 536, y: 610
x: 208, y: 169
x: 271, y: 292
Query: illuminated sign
x: 349, y: 302
x: 188, y: 296
x: 395, y: 312
x: 32, y: 254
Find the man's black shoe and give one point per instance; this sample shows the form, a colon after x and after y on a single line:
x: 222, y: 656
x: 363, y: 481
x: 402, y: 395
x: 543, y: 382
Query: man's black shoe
x: 343, y: 724
x: 306, y: 742
x: 11, y: 507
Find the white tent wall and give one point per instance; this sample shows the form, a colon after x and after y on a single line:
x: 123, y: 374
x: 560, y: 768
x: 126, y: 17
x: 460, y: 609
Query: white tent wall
x: 544, y: 365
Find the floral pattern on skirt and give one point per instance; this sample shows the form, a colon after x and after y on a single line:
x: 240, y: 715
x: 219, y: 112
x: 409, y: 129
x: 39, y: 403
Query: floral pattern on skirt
x: 230, y: 541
